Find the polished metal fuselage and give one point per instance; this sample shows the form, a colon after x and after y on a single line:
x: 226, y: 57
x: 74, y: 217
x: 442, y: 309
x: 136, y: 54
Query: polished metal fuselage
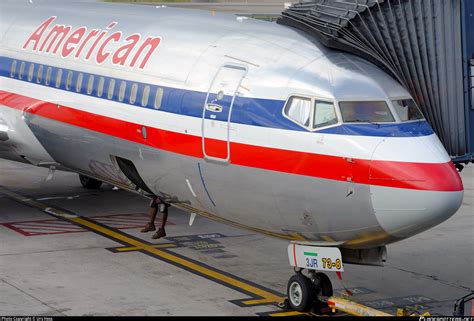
x: 278, y: 62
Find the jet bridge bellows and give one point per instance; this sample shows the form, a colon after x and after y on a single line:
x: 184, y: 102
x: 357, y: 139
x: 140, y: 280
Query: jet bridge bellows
x: 419, y: 42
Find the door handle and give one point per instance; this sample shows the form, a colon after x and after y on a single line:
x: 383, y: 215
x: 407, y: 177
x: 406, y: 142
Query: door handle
x: 214, y: 108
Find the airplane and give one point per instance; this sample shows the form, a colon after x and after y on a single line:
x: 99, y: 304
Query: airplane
x: 248, y: 122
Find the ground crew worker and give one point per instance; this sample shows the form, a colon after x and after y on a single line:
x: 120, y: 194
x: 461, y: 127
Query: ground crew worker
x: 155, y: 205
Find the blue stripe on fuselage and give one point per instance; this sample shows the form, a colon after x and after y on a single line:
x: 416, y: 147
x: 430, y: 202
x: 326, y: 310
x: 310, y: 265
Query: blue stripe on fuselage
x: 411, y: 129
x: 248, y: 111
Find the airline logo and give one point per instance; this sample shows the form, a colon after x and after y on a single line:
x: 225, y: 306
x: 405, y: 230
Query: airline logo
x: 81, y: 43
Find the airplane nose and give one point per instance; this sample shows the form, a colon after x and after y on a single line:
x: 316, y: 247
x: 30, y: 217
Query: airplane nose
x: 412, y: 196
x: 404, y: 212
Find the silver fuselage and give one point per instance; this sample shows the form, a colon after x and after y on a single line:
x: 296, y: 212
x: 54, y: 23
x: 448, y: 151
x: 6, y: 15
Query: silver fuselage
x: 355, y: 186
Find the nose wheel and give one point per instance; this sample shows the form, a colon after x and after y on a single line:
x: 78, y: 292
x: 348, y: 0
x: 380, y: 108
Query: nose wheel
x: 300, y: 292
x: 308, y: 293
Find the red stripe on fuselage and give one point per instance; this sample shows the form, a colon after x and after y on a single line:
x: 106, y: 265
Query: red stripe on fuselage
x: 418, y: 176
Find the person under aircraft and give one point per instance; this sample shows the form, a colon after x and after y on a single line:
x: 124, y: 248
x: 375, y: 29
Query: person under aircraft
x: 155, y: 205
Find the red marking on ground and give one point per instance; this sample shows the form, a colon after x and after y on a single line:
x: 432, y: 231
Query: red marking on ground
x: 57, y: 226
x: 50, y: 226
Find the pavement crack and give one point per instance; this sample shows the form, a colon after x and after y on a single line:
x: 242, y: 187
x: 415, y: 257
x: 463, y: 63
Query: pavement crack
x: 432, y: 277
x: 33, y: 297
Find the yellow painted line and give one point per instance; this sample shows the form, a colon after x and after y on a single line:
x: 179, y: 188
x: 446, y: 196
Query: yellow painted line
x: 267, y: 297
x: 260, y: 301
x: 23, y: 200
x: 169, y: 256
x: 136, y: 244
x: 287, y: 314
x: 134, y: 248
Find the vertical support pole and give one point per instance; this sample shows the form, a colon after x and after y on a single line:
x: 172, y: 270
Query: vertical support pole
x: 467, y: 23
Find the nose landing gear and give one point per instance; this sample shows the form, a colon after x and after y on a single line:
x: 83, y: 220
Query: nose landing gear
x: 300, y: 292
x: 309, y: 293
x: 309, y: 289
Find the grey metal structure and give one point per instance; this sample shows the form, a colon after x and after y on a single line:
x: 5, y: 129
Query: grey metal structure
x: 419, y: 42
x: 468, y: 63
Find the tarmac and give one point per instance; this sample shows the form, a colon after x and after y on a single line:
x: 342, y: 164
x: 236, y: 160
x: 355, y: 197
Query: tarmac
x: 65, y: 250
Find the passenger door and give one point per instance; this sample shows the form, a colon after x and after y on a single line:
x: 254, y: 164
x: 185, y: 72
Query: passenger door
x: 218, y: 109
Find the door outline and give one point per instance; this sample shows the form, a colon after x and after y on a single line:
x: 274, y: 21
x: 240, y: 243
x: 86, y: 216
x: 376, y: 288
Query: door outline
x: 231, y: 65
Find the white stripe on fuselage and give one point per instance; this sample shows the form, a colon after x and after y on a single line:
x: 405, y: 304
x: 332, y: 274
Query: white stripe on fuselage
x: 424, y: 149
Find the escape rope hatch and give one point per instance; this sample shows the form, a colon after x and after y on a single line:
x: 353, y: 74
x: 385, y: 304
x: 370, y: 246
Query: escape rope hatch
x: 417, y: 41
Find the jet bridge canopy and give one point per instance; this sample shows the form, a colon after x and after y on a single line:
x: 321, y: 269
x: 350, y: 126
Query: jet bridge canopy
x: 421, y: 43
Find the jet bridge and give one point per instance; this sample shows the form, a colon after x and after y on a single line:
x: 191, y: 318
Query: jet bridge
x: 427, y: 45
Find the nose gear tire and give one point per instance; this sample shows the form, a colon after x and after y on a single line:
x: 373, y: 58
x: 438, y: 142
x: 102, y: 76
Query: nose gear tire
x: 300, y: 293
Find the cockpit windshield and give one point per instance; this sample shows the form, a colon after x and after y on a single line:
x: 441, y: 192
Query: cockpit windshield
x: 407, y: 109
x: 365, y: 112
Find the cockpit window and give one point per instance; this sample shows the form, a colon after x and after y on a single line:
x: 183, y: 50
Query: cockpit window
x: 324, y: 114
x: 407, y: 109
x: 310, y: 113
x: 298, y: 109
x: 365, y: 112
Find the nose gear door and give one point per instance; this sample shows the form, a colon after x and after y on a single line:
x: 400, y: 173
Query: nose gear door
x: 218, y: 110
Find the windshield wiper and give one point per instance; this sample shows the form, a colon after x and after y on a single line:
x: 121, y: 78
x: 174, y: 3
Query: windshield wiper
x: 367, y: 121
